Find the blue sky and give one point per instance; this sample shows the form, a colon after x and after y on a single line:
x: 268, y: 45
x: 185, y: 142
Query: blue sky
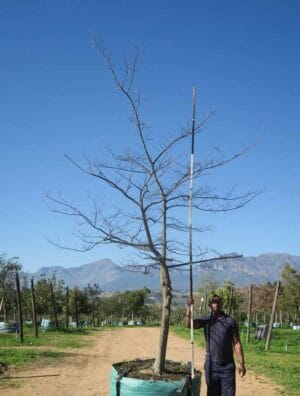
x: 57, y: 98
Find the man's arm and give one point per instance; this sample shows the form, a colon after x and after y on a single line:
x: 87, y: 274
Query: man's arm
x: 238, y: 349
x: 187, y: 318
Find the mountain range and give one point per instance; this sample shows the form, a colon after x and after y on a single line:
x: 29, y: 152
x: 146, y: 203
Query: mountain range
x: 112, y: 277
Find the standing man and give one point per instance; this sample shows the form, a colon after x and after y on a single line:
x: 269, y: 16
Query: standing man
x: 222, y: 337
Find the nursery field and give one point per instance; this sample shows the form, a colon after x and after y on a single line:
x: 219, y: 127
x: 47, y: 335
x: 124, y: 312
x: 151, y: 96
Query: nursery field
x: 79, y: 363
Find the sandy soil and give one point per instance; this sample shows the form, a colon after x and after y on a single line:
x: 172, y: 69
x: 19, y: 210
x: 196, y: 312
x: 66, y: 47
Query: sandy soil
x: 85, y: 372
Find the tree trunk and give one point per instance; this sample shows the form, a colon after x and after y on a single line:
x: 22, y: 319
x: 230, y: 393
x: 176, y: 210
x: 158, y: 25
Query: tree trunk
x: 272, y: 317
x: 36, y: 332
x: 166, y: 288
x: 19, y: 305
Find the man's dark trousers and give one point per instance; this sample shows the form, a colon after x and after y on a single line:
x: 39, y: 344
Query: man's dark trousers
x: 220, y: 379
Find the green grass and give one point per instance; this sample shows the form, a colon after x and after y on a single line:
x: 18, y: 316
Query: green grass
x: 22, y: 357
x: 46, y: 347
x: 60, y: 339
x: 281, y: 363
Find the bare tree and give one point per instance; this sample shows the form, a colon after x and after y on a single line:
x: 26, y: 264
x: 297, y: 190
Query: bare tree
x: 152, y: 182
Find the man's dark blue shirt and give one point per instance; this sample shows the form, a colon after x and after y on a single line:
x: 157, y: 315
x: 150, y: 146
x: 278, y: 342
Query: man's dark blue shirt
x: 219, y: 334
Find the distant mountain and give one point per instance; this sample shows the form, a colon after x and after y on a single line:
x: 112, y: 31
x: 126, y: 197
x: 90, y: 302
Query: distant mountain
x: 105, y: 272
x: 111, y: 277
x: 260, y: 269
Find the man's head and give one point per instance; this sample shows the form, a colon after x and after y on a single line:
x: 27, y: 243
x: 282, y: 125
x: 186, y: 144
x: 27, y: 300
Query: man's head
x: 216, y: 303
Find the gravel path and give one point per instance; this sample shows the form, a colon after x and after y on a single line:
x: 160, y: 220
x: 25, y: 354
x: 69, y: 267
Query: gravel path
x: 85, y: 372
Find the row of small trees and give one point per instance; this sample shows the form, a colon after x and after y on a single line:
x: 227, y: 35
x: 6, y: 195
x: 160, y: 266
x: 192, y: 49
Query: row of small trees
x: 49, y: 298
x: 236, y: 300
x: 22, y: 300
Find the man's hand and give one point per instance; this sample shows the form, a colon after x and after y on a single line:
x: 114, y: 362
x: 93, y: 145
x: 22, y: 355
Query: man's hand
x: 240, y: 355
x: 242, y: 370
x: 190, y: 301
x: 187, y: 319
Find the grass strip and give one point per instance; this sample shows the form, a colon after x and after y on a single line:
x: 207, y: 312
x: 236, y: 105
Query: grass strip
x: 58, y: 339
x: 22, y: 357
x: 45, y: 349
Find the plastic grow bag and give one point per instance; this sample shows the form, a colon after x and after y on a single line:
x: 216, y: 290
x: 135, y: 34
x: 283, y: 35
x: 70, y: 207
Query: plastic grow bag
x: 124, y: 386
x: 9, y: 327
x: 47, y: 324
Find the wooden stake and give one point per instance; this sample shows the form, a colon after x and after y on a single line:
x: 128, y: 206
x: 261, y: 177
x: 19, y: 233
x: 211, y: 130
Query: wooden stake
x: 93, y: 313
x: 35, y: 326
x: 249, y: 314
x: 19, y: 305
x: 267, y: 346
x: 75, y: 309
x: 54, y: 306
x: 67, y: 307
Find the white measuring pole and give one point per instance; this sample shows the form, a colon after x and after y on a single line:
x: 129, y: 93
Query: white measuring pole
x: 191, y: 232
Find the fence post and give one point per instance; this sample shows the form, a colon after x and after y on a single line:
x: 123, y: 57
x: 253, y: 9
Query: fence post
x: 67, y: 307
x: 76, y: 308
x: 19, y: 305
x: 93, y: 313
x: 97, y: 310
x: 249, y: 314
x: 272, y: 317
x: 54, y: 306
x: 34, y: 310
x: 230, y: 309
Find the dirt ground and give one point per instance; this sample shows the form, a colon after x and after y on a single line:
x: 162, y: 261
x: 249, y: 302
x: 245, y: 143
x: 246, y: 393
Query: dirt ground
x: 85, y: 372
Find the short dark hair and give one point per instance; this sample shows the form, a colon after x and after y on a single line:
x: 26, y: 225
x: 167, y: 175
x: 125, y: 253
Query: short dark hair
x: 216, y: 299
